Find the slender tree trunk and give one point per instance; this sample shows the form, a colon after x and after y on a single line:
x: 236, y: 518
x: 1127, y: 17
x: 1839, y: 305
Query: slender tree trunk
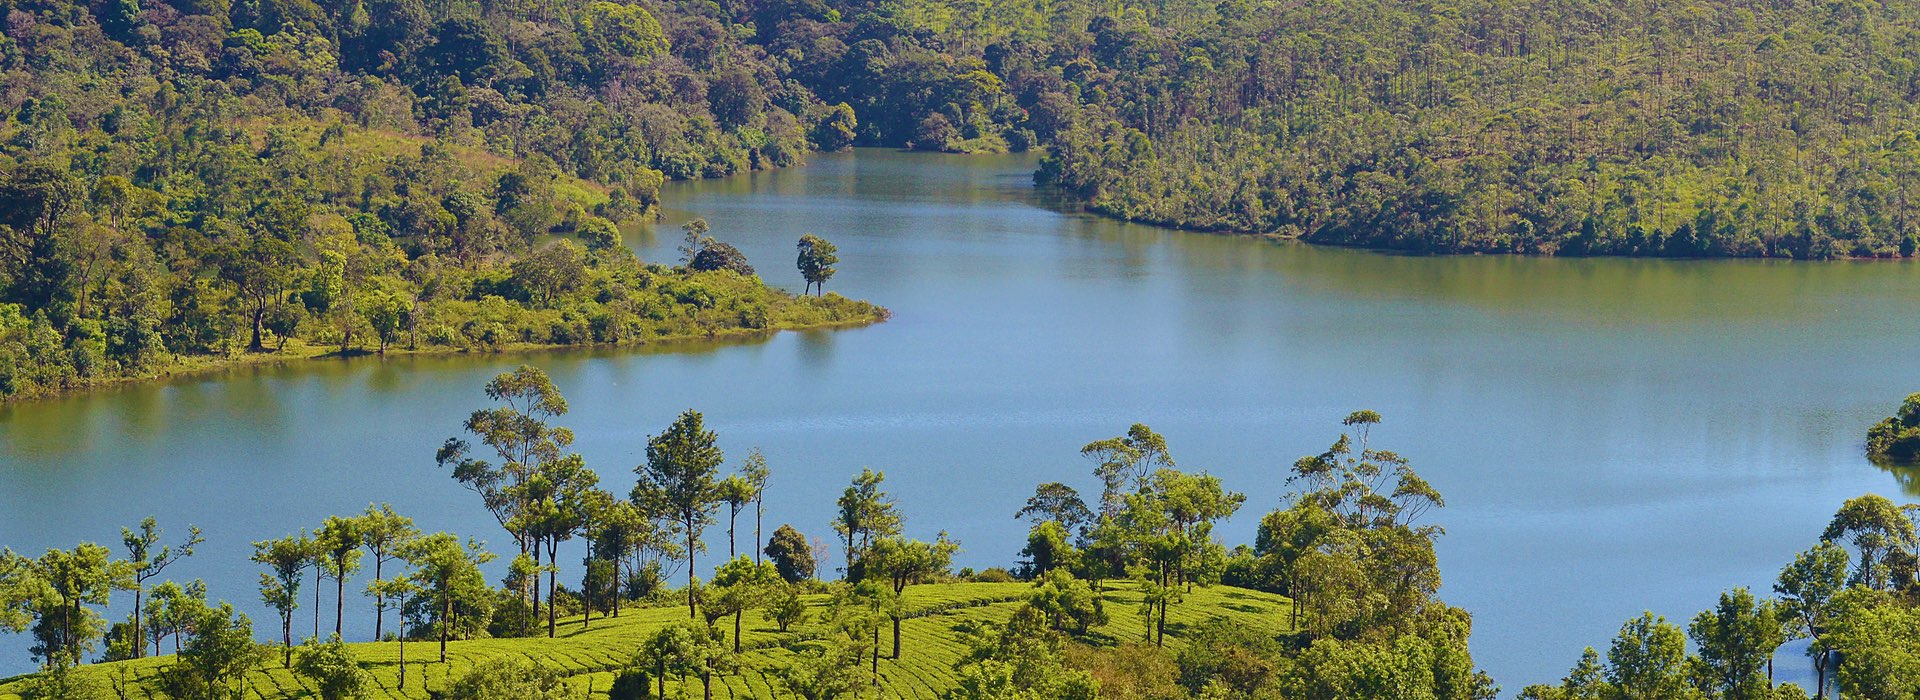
x: 286, y: 636
x: 339, y: 598
x: 737, y: 614
x: 139, y: 641
x: 380, y: 605
x: 691, y: 613
x: 706, y: 683
x: 316, y: 602
x: 533, y: 612
x: 1160, y: 638
x: 896, y: 638
x: 756, y: 530
x: 403, y: 652
x: 446, y: 622
x: 553, y: 588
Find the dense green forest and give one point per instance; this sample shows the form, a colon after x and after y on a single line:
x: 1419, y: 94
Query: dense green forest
x: 1130, y: 595
x: 1699, y: 128
x: 182, y: 180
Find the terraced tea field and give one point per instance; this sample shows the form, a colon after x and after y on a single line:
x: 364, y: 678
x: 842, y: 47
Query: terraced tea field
x: 591, y: 656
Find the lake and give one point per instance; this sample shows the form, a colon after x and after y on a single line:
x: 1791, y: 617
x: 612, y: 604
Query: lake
x: 1611, y: 435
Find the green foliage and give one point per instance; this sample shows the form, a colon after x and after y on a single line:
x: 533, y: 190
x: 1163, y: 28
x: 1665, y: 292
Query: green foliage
x: 1648, y: 659
x: 510, y: 680
x: 816, y: 261
x: 1736, y: 641
x: 1598, y: 128
x: 1879, y: 639
x: 332, y: 669
x: 790, y: 554
x: 1897, y: 439
x: 218, y: 654
x: 1882, y: 536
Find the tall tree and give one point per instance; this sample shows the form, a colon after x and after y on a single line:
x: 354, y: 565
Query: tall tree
x: 520, y: 433
x: 1737, y: 639
x: 755, y: 471
x: 1648, y: 659
x: 816, y: 261
x: 1057, y: 502
x: 736, y: 492
x: 1878, y: 530
x: 286, y: 561
x: 1124, y: 461
x: 448, y: 573
x: 338, y: 543
x: 383, y: 533
x: 901, y: 562
x: 148, y: 563
x: 866, y: 513
x: 678, y: 478
x: 1807, y: 588
x: 74, y: 581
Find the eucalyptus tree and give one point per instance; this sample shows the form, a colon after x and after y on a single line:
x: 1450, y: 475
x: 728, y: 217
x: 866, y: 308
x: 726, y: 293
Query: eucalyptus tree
x: 593, y: 507
x: 67, y: 584
x: 557, y: 499
x: 337, y: 547
x: 1807, y: 588
x: 397, y: 588
x: 1648, y: 659
x: 1057, y: 502
x: 900, y: 562
x: 816, y: 261
x: 667, y: 650
x: 737, y: 493
x: 1191, y: 503
x: 448, y: 574
x: 754, y: 470
x: 147, y: 562
x: 286, y: 560
x: 171, y: 608
x: 1125, y: 460
x: 619, y: 530
x: 383, y: 533
x: 1879, y: 532
x: 20, y: 586
x: 740, y: 584
x: 678, y: 480
x: 521, y: 435
x: 866, y: 513
x: 1736, y: 640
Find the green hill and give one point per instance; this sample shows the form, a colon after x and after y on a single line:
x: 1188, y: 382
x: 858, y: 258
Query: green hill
x: 590, y: 656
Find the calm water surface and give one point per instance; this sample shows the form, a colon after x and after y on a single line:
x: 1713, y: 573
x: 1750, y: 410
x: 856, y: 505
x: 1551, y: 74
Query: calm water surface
x: 1611, y: 435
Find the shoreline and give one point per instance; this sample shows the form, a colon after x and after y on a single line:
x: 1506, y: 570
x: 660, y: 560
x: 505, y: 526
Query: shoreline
x: 186, y: 367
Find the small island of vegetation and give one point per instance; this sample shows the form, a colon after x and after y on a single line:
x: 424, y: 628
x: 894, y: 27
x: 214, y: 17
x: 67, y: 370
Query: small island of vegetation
x: 1896, y: 440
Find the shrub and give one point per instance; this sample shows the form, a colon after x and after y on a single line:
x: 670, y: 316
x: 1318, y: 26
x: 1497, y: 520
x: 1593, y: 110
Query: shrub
x: 510, y: 679
x: 332, y: 669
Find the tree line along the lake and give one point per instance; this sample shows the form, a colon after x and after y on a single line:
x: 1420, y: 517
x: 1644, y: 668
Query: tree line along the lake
x: 1350, y: 546
x: 1351, y: 550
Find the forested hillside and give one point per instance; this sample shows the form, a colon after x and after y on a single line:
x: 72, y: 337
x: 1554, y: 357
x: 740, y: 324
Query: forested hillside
x: 1699, y: 128
x: 191, y: 178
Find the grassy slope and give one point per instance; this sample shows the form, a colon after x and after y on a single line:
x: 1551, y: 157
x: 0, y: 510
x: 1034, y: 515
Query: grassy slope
x: 590, y: 657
